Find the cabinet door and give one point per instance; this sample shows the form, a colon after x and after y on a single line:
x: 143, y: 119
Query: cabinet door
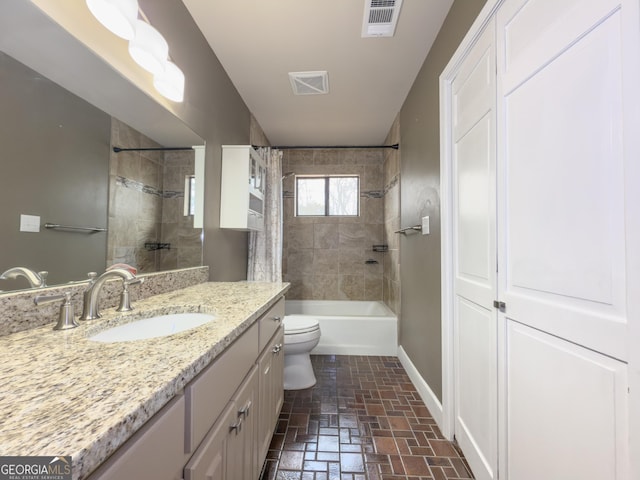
x: 564, y: 231
x: 241, y: 444
x: 271, y: 396
x: 277, y: 380
x: 210, y: 461
x: 155, y: 452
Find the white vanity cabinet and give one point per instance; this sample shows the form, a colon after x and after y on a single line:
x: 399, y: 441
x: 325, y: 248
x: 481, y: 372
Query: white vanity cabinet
x: 220, y: 427
x: 242, y: 188
x: 156, y: 451
x: 228, y: 450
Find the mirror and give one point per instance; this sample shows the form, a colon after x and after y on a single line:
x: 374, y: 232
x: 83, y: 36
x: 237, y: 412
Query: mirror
x: 58, y: 168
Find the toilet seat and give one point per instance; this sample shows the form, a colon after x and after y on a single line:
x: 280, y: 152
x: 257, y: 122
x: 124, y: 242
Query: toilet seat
x: 298, y: 324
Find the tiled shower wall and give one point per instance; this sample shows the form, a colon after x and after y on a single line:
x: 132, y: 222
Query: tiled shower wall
x: 391, y: 274
x: 324, y: 257
x: 146, y: 194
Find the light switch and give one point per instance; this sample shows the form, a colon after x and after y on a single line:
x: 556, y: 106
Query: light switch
x: 29, y: 223
x: 425, y: 225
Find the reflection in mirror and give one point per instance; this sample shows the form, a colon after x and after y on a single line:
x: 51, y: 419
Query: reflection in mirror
x: 149, y: 226
x: 58, y: 167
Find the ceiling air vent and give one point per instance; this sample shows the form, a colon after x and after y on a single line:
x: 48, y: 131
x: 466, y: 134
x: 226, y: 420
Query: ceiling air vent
x: 380, y: 17
x: 309, y: 83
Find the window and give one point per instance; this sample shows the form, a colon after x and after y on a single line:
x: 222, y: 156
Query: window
x: 330, y: 196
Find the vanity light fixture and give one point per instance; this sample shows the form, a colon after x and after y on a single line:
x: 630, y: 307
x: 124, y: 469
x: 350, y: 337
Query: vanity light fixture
x: 170, y: 82
x: 148, y: 48
x: 118, y: 16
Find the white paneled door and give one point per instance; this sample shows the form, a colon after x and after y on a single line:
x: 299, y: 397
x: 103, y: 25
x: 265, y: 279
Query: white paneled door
x: 561, y: 234
x: 474, y: 258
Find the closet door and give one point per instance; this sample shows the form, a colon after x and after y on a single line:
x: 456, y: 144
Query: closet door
x: 562, y: 239
x: 474, y: 257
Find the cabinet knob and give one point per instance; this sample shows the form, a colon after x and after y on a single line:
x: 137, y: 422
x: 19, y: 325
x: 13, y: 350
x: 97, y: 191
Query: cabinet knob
x: 277, y: 348
x: 277, y: 318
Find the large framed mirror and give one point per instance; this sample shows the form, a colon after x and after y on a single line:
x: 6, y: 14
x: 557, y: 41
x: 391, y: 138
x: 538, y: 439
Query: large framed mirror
x: 70, y: 204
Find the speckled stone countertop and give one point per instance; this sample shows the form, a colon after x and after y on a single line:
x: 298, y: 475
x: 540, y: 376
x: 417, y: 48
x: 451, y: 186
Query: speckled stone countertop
x: 62, y: 394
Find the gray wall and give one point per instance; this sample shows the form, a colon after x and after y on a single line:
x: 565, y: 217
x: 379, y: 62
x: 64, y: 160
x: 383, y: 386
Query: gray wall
x: 53, y: 164
x: 215, y: 111
x: 420, y: 332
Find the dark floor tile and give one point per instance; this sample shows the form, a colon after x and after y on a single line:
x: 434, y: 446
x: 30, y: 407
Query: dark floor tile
x: 363, y: 420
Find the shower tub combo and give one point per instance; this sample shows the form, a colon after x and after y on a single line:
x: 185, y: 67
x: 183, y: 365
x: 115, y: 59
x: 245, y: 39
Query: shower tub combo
x: 350, y: 327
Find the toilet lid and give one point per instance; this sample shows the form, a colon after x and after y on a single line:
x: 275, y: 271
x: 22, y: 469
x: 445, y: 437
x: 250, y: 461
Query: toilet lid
x: 300, y: 324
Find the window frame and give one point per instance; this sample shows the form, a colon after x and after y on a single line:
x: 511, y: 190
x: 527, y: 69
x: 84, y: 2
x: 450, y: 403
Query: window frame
x: 327, y: 181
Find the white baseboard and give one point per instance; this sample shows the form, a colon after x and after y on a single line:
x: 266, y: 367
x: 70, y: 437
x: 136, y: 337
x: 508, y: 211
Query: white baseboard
x: 428, y: 397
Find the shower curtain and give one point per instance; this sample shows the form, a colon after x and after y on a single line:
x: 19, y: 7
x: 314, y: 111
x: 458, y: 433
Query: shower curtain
x: 265, y: 247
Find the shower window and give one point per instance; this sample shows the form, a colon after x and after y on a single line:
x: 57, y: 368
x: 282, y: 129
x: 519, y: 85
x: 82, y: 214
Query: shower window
x: 328, y: 195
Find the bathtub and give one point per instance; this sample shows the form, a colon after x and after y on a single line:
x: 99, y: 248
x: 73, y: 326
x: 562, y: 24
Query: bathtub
x: 350, y: 327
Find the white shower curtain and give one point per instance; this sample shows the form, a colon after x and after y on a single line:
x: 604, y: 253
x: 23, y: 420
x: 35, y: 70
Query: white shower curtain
x: 265, y: 247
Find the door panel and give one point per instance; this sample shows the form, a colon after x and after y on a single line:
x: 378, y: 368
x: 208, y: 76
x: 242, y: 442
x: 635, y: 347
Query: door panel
x: 535, y: 31
x: 476, y: 414
x: 567, y: 409
x: 564, y: 195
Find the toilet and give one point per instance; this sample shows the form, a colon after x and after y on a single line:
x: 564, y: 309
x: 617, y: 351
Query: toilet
x: 301, y: 335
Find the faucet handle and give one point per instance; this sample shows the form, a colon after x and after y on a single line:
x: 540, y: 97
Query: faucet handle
x: 125, y: 300
x: 92, y: 277
x: 66, y: 318
x: 43, y: 278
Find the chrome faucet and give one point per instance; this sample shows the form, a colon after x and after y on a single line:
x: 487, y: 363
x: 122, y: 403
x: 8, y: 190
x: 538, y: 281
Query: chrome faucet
x: 34, y: 279
x: 90, y: 310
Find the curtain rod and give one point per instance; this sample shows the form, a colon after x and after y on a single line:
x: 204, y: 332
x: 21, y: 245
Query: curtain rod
x: 395, y: 146
x: 118, y: 149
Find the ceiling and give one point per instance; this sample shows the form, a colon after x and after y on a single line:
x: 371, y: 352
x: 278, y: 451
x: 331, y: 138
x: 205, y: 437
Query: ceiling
x: 258, y: 42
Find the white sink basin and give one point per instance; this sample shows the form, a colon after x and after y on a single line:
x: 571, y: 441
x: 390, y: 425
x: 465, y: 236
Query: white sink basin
x: 160, y: 326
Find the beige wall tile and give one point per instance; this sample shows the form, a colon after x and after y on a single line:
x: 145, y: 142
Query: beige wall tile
x: 300, y: 261
x: 326, y: 262
x: 352, y: 287
x: 325, y: 235
x: 300, y: 236
x: 326, y: 287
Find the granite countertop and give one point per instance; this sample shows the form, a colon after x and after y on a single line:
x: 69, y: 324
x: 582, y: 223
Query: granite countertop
x: 63, y: 394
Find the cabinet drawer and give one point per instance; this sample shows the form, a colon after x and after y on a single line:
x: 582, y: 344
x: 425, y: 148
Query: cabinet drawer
x: 155, y: 452
x: 210, y: 392
x: 270, y: 321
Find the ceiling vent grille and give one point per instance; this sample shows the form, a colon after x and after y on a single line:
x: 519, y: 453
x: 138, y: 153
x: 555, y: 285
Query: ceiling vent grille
x: 380, y: 17
x: 309, y: 83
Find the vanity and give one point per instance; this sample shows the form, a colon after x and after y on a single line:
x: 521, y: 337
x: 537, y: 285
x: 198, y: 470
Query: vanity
x: 189, y: 405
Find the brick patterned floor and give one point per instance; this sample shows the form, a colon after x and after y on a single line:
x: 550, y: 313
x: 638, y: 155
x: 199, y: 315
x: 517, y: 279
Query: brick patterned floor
x: 363, y: 420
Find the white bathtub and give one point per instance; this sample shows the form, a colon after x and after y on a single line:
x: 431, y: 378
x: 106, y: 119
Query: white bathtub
x: 350, y: 327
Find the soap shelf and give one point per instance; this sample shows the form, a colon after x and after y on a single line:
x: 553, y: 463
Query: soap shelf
x: 151, y: 246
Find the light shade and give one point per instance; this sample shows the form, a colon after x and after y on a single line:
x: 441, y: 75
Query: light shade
x: 118, y: 16
x: 149, y: 48
x: 170, y: 83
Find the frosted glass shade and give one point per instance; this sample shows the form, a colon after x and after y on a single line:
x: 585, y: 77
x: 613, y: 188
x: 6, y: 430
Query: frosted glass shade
x: 118, y: 16
x: 170, y: 83
x: 148, y: 48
